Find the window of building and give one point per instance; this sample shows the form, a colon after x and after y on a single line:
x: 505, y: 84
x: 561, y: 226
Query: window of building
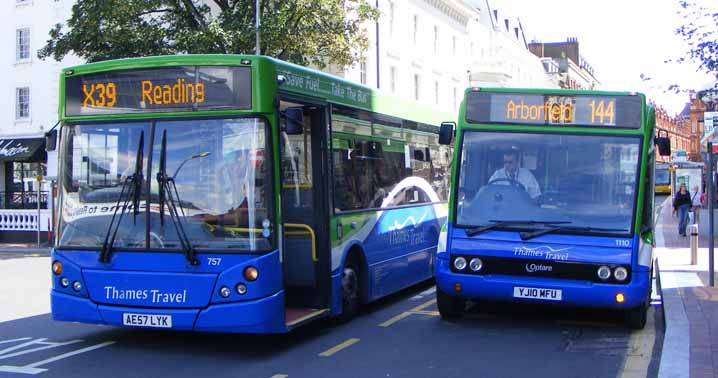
x: 22, y: 47
x: 23, y: 2
x: 436, y: 92
x: 362, y: 71
x: 391, y: 17
x: 455, y: 97
x: 22, y: 101
x: 392, y: 79
x: 417, y: 83
x: 21, y: 186
x: 416, y: 29
x: 436, y: 40
x: 453, y: 45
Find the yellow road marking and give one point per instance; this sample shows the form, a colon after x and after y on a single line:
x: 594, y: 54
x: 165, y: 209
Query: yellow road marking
x: 640, y: 350
x: 305, y: 317
x: 344, y: 345
x: 431, y: 313
x: 407, y: 313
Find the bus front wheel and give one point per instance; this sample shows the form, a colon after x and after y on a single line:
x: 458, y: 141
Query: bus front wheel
x: 351, y: 296
x: 450, y: 307
x: 636, y: 317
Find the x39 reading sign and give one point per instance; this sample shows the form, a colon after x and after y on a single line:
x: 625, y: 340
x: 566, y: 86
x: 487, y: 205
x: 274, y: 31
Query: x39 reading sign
x: 167, y: 89
x: 554, y: 109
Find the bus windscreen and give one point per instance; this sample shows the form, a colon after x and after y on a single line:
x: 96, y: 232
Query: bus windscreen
x: 554, y: 109
x: 167, y: 89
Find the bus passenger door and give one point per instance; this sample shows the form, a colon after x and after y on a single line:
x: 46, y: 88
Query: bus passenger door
x: 306, y: 252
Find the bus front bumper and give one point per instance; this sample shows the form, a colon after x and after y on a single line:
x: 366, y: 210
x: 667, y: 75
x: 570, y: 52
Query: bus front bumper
x: 573, y: 293
x: 265, y: 315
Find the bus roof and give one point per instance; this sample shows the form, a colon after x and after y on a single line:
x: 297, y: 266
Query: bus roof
x: 298, y: 80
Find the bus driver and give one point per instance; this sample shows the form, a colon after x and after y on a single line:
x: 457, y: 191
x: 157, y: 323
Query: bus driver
x: 512, y: 174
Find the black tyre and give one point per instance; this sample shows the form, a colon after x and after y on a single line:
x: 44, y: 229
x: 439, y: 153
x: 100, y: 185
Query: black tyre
x: 351, y: 294
x: 450, y: 308
x: 636, y: 317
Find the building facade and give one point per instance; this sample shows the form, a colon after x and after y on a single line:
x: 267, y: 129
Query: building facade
x: 563, y: 61
x: 28, y: 107
x: 430, y: 51
x: 677, y: 129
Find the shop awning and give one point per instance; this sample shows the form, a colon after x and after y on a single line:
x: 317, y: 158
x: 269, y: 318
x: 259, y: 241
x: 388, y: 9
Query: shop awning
x: 23, y: 149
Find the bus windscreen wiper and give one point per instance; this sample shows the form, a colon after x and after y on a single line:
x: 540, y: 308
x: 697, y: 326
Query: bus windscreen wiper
x: 503, y: 223
x: 168, y: 193
x: 133, y: 185
x: 533, y: 234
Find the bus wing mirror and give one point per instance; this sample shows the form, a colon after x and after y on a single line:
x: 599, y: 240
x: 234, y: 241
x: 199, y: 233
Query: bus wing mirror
x: 51, y: 140
x: 446, y: 132
x: 664, y: 146
x: 294, y: 121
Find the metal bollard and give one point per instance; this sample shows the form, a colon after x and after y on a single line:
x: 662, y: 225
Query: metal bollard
x: 693, y: 229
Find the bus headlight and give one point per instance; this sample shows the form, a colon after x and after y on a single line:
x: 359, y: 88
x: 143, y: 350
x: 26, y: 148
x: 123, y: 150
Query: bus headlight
x: 475, y: 264
x: 604, y: 272
x: 224, y: 292
x: 620, y: 273
x: 64, y: 282
x: 241, y: 289
x: 77, y: 286
x: 460, y: 263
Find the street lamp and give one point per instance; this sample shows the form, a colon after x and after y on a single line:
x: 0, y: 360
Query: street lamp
x: 196, y: 156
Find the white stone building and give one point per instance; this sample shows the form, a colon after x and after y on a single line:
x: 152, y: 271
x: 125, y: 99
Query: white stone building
x: 432, y: 50
x: 28, y: 108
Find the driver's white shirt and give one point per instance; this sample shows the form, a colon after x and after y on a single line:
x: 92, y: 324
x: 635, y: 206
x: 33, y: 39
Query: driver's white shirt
x: 524, y: 177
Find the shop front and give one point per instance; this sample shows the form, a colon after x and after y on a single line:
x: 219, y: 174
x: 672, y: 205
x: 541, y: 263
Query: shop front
x: 24, y: 201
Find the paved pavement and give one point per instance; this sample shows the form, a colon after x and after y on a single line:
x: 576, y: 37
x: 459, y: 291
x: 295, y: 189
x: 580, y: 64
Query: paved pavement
x: 691, y: 306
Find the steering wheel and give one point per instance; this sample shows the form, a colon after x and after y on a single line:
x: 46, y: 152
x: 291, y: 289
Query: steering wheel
x: 509, y: 180
x: 550, y: 197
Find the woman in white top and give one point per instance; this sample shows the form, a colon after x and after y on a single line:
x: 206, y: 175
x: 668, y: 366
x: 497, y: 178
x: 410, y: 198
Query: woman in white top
x: 695, y: 203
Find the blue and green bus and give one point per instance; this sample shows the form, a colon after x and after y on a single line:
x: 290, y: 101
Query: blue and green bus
x: 552, y: 201
x: 230, y: 193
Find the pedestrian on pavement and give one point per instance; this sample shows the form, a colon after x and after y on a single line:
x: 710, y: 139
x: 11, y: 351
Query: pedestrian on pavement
x: 696, y: 203
x: 681, y: 205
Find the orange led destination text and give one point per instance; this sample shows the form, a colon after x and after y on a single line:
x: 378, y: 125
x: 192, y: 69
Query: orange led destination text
x: 99, y: 95
x: 547, y: 111
x: 177, y: 94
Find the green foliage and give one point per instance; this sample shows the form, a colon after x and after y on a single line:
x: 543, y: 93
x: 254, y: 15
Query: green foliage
x: 306, y: 32
x: 701, y: 35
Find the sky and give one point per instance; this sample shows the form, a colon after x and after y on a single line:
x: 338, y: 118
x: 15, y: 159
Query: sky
x: 620, y: 39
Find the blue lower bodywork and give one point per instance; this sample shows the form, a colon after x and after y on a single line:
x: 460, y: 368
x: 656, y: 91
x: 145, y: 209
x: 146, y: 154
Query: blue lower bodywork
x: 574, y: 249
x: 169, y: 286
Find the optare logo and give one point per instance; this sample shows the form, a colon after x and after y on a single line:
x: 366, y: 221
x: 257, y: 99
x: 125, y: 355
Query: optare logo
x: 533, y: 268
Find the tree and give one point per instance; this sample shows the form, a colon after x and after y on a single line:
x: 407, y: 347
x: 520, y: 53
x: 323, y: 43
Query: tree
x: 701, y: 36
x: 316, y: 32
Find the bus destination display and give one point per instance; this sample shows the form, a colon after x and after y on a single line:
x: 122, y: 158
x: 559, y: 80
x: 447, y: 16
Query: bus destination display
x: 186, y: 88
x: 546, y: 109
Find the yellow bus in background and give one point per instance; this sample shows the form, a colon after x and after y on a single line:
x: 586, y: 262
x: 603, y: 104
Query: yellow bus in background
x: 663, y: 179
